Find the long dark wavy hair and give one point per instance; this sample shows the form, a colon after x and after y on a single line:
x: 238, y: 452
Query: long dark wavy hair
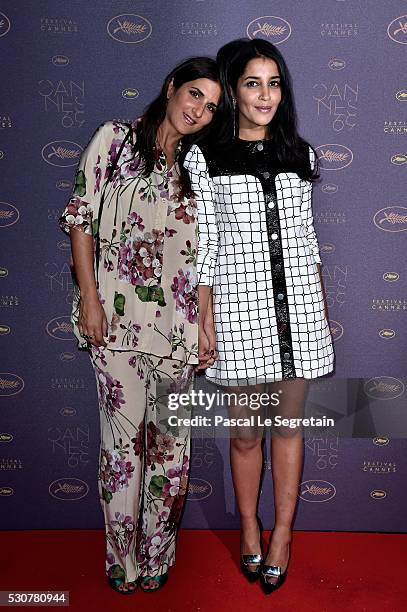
x: 291, y: 149
x: 146, y: 129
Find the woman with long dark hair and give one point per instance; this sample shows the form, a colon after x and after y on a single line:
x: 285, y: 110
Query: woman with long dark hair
x: 258, y: 253
x: 132, y: 224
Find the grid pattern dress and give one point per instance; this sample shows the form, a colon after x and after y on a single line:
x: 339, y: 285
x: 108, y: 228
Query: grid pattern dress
x: 258, y: 250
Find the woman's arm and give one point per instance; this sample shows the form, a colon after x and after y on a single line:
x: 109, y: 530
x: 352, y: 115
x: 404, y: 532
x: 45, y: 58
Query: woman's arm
x: 92, y: 318
x: 206, y: 332
x: 205, y: 303
x: 209, y: 328
x: 306, y: 213
x: 308, y: 220
x: 323, y: 291
x: 204, y: 191
x: 78, y: 220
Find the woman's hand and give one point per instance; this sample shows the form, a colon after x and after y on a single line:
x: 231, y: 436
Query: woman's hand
x: 206, y: 343
x: 92, y: 321
x: 206, y: 330
x: 205, y: 357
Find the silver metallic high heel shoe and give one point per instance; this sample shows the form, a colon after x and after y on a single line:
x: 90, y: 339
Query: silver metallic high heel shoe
x: 245, y: 561
x: 253, y: 559
x: 274, y: 571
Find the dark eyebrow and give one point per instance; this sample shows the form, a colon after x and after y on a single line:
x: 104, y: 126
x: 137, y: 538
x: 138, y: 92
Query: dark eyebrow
x: 202, y: 94
x: 258, y: 78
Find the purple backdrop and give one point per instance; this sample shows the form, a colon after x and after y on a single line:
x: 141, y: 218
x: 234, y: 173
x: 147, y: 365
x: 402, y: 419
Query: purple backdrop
x: 68, y: 66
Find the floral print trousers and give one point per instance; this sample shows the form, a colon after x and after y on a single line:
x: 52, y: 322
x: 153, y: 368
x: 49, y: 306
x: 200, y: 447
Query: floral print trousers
x: 144, y: 463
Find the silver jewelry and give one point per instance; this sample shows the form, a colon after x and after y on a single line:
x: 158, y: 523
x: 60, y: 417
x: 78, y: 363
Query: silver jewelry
x: 234, y: 117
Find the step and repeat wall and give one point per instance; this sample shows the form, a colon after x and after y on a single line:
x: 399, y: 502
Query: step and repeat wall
x: 68, y: 66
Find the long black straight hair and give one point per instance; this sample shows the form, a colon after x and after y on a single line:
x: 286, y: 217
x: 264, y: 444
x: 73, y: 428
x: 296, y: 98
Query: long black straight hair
x: 291, y: 149
x: 146, y: 129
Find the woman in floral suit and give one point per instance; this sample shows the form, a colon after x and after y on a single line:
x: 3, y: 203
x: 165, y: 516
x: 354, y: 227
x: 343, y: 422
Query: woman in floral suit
x: 132, y: 224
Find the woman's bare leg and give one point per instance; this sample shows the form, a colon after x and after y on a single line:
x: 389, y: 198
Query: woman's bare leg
x: 246, y: 460
x: 287, y: 454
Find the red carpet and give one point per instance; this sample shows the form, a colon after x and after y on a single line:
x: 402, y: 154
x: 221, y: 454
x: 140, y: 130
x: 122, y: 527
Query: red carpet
x: 327, y: 572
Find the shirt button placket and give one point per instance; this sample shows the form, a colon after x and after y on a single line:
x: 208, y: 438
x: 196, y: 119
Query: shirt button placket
x: 279, y: 283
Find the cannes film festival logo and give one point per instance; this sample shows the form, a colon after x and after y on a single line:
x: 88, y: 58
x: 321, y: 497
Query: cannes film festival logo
x: 327, y: 248
x: 9, y: 214
x: 4, y: 24
x: 334, y: 156
x: 397, y: 30
x: 66, y: 356
x: 391, y: 277
x: 62, y: 153
x: 6, y: 437
x: 60, y: 328
x: 130, y: 93
x: 384, y: 387
x: 401, y: 95
x: 199, y: 489
x: 336, y: 330
x: 391, y: 219
x: 6, y: 491
x: 387, y: 334
x: 336, y: 64
x: 275, y: 29
x: 67, y: 411
x: 381, y: 441
x: 64, y: 245
x: 63, y: 185
x: 329, y: 188
x: 60, y: 60
x: 10, y: 384
x: 129, y: 28
x: 378, y: 494
x: 317, y: 491
x: 399, y: 159
x: 68, y: 489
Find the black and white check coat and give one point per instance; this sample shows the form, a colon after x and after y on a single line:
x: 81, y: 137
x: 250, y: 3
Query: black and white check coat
x: 258, y: 250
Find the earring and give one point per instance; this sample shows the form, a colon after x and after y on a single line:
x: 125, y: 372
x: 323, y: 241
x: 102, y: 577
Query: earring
x: 234, y: 117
